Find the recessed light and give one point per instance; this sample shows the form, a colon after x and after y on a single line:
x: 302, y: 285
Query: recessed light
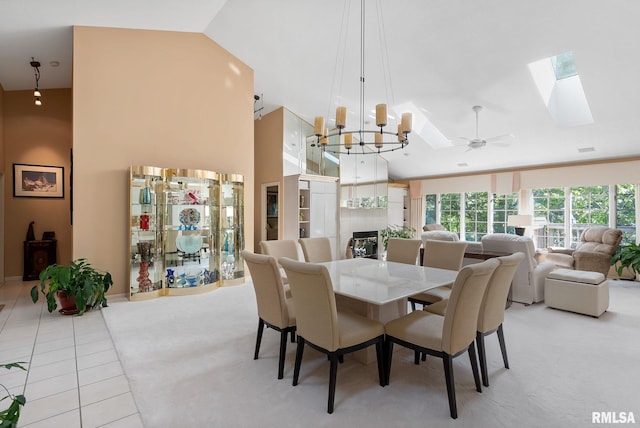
x: 463, y: 164
x: 586, y: 149
x: 54, y: 63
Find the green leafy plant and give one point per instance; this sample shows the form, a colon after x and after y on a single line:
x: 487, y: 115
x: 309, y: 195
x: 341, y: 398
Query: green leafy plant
x: 9, y: 417
x: 396, y: 231
x: 86, y: 284
x: 627, y: 256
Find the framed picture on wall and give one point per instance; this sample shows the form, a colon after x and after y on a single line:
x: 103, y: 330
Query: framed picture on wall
x: 38, y: 181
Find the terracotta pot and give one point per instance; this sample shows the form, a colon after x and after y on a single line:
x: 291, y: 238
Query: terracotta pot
x: 67, y: 303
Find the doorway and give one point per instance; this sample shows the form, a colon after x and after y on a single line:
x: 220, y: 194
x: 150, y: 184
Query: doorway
x: 270, y: 211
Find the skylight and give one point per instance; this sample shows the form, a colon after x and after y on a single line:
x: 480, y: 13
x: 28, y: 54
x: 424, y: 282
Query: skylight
x: 559, y: 85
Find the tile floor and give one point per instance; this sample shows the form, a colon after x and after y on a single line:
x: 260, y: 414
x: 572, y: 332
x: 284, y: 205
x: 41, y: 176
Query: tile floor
x: 73, y: 377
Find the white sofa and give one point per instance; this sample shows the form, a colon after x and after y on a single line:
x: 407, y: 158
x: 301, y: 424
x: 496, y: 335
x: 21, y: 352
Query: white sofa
x: 528, y: 283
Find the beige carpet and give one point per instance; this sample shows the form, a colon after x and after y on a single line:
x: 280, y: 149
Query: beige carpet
x: 190, y: 363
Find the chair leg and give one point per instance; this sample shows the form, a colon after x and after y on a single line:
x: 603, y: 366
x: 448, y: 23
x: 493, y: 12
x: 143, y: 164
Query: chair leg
x: 482, y: 355
x: 333, y: 372
x: 388, y: 351
x: 380, y: 357
x: 283, y: 351
x: 293, y: 336
x: 474, y: 365
x: 296, y: 367
x: 447, y: 361
x: 413, y: 305
x: 503, y: 347
x: 416, y: 357
x: 258, y: 338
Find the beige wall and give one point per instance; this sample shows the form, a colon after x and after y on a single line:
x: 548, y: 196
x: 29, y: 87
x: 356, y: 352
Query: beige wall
x: 39, y: 135
x: 269, y: 134
x: 164, y: 99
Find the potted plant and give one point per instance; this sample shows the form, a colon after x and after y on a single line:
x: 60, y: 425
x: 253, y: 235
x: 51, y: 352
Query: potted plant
x: 9, y: 416
x: 78, y: 286
x: 396, y: 231
x: 627, y: 256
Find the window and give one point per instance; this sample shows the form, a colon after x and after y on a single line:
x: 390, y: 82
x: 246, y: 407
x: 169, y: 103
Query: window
x: 431, y: 209
x: 589, y: 207
x: 476, y: 206
x: 626, y: 212
x: 503, y: 207
x: 549, y: 206
x: 450, y: 211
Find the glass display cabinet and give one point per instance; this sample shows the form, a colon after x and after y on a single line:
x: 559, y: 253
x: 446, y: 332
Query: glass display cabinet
x: 232, y: 230
x: 145, y: 238
x: 186, y: 231
x: 191, y: 225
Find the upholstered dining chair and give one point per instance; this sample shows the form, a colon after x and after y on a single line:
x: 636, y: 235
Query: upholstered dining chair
x: 403, y: 250
x: 323, y: 327
x: 442, y: 255
x: 282, y: 248
x: 449, y: 336
x: 275, y: 310
x: 491, y: 315
x: 316, y: 250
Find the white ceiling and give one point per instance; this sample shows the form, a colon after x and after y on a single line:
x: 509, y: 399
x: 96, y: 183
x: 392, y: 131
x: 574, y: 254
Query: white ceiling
x: 444, y: 57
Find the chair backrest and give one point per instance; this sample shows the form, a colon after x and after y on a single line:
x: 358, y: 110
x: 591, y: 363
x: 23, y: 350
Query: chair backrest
x: 600, y: 239
x: 444, y: 254
x: 316, y: 250
x: 314, y: 302
x: 491, y: 313
x: 403, y: 250
x: 267, y: 283
x: 461, y: 318
x: 281, y: 248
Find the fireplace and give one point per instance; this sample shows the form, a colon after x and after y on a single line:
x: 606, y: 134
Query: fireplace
x: 365, y: 244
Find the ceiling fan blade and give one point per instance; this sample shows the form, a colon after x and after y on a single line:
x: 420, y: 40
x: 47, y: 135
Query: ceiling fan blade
x: 499, y: 137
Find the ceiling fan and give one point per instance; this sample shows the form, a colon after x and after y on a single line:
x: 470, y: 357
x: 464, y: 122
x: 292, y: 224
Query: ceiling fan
x: 478, y: 143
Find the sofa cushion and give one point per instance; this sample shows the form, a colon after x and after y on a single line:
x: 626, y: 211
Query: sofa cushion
x: 581, y: 276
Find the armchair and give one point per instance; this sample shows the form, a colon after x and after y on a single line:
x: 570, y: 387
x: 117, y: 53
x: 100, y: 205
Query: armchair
x: 528, y: 283
x: 593, y: 253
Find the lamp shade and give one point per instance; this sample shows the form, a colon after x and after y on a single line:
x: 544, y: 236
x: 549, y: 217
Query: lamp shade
x: 520, y: 220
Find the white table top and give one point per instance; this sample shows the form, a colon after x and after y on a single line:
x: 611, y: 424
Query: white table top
x: 380, y: 282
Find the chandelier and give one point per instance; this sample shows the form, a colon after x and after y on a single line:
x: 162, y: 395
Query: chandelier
x: 343, y: 141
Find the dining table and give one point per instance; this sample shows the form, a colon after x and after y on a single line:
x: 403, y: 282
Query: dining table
x: 379, y: 289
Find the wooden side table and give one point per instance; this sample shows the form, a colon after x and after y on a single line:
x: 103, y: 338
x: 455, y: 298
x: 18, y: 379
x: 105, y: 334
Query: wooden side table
x: 37, y: 256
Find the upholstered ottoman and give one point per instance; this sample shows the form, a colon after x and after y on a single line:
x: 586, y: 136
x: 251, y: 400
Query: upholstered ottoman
x: 577, y: 291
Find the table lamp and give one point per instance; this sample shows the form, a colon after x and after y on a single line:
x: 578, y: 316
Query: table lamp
x: 520, y: 221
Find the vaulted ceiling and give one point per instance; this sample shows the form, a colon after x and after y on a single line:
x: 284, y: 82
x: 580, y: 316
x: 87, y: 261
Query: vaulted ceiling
x: 444, y: 57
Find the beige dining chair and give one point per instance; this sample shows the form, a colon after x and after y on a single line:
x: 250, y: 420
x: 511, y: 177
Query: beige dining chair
x: 491, y: 315
x: 321, y: 326
x: 274, y: 309
x: 403, y: 250
x: 449, y: 336
x: 316, y: 250
x: 281, y: 248
x: 442, y: 255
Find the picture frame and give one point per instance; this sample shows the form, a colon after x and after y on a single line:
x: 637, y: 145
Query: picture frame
x: 38, y: 181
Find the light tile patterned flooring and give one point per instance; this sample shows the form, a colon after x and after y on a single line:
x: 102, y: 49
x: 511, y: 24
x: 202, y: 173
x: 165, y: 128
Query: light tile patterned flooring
x: 74, y: 377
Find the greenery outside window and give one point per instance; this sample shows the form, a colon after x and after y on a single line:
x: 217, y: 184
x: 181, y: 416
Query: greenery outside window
x: 450, y: 211
x: 476, y: 206
x: 431, y: 209
x: 503, y: 207
x: 626, y: 212
x: 549, y: 204
x: 589, y: 207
